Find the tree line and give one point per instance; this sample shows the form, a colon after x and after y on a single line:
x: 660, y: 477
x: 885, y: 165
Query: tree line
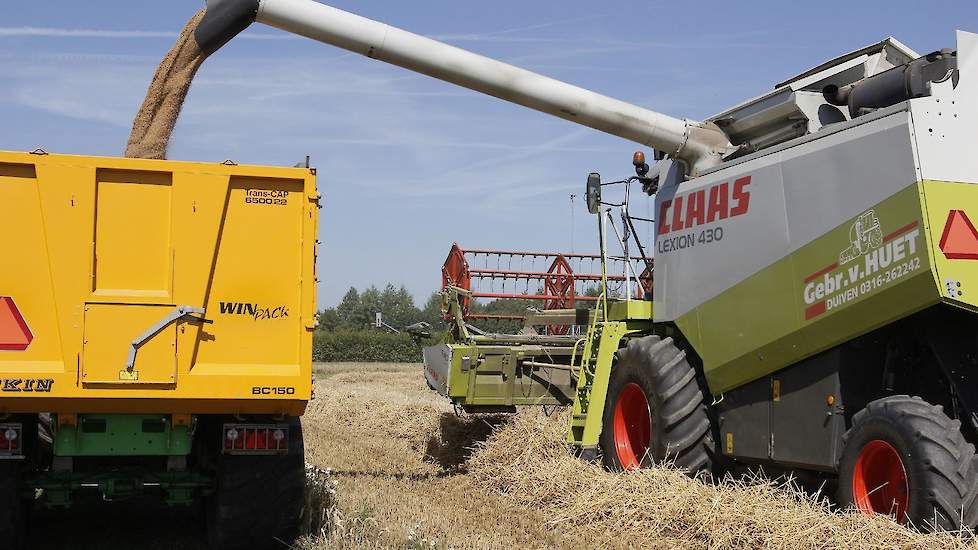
x: 347, y: 331
x: 357, y: 310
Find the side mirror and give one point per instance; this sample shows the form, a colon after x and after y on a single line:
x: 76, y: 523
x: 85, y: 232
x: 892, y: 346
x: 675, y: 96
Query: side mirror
x: 594, y: 193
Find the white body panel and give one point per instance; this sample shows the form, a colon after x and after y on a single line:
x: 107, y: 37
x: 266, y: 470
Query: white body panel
x: 947, y: 121
x: 438, y: 367
x: 796, y: 195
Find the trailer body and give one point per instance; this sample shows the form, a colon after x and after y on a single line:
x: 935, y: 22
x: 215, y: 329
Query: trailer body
x: 156, y: 323
x: 100, y: 251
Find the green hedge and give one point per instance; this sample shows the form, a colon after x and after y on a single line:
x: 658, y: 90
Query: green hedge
x: 364, y: 346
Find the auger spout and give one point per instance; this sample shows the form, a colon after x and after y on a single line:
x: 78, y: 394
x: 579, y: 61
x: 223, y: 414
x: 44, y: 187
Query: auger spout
x: 701, y: 145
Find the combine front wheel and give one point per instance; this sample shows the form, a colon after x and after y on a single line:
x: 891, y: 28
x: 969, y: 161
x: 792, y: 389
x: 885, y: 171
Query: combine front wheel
x: 904, y: 457
x: 654, y: 410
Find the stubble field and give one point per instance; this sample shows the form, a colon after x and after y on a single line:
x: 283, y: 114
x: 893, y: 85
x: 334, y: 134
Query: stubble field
x: 408, y: 473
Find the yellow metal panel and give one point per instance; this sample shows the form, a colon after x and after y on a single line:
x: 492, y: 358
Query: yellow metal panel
x: 255, y: 299
x: 199, y: 202
x: 957, y: 277
x: 638, y: 310
x: 24, y: 273
x: 132, y: 234
x: 67, y: 197
x: 109, y: 330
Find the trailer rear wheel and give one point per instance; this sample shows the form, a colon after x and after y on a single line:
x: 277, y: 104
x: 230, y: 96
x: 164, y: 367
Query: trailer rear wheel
x: 12, y: 524
x: 654, y: 410
x: 258, y: 500
x: 905, y: 458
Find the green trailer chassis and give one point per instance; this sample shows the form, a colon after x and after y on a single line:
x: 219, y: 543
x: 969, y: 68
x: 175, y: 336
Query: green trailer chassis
x: 178, y: 487
x: 122, y: 435
x: 113, y: 436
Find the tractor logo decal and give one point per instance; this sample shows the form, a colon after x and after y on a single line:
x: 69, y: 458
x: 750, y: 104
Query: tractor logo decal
x: 885, y: 260
x: 865, y: 235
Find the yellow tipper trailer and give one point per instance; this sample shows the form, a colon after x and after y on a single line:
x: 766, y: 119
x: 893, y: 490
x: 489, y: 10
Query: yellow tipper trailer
x: 157, y: 316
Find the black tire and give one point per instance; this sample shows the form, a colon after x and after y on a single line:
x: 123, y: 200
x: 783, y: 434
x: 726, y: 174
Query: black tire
x: 12, y: 524
x: 940, y: 478
x: 258, y: 500
x: 679, y: 430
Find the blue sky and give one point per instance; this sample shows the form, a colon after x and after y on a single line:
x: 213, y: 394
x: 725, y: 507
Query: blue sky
x: 409, y: 164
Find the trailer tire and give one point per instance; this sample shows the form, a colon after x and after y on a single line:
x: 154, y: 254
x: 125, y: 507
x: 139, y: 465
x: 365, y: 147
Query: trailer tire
x: 258, y: 501
x: 905, y: 454
x: 12, y: 524
x: 654, y: 411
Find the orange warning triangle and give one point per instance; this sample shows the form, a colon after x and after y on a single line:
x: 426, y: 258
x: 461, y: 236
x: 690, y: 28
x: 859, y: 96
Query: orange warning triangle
x: 15, y: 335
x: 960, y: 240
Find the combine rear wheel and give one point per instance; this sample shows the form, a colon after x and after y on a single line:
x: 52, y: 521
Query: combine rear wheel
x: 258, y: 500
x: 904, y: 457
x: 654, y: 410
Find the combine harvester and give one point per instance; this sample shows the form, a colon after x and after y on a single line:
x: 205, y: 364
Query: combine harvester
x: 816, y: 268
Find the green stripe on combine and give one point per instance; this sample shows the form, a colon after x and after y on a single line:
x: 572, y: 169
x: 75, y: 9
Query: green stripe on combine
x: 863, y: 274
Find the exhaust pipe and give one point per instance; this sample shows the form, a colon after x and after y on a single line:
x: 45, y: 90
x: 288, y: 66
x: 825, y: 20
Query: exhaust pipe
x: 901, y: 83
x: 700, y: 145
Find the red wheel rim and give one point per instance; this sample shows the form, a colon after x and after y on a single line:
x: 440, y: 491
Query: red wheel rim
x: 879, y: 481
x: 633, y: 426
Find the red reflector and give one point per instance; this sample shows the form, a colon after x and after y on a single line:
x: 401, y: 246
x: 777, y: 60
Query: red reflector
x: 960, y: 240
x: 10, y: 435
x: 255, y: 438
x: 15, y: 335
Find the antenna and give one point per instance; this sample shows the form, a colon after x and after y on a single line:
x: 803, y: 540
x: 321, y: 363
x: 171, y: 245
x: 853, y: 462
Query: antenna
x: 572, y: 197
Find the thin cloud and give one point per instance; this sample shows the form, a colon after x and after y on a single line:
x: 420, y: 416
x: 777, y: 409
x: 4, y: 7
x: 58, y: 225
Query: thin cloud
x: 503, y: 39
x: 53, y: 32
x: 446, y: 144
x: 447, y: 183
x: 493, y: 36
